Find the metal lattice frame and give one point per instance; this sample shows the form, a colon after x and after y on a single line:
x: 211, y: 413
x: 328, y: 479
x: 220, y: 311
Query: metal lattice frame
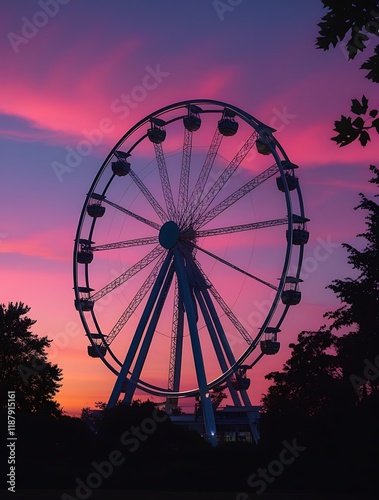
x: 169, y: 267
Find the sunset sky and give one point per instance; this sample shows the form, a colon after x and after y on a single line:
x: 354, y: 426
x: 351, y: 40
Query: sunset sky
x: 64, y: 71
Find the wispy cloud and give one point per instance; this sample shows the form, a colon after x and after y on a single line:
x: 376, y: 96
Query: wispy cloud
x: 52, y: 244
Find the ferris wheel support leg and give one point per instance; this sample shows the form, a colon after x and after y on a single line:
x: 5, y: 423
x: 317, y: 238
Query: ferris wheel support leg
x: 139, y: 332
x: 216, y: 345
x: 132, y: 383
x: 219, y: 328
x: 179, y: 348
x: 234, y: 394
x: 209, y: 419
x: 245, y: 398
x: 176, y: 361
x: 227, y: 349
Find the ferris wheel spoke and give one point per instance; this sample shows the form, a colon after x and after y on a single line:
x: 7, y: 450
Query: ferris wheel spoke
x: 184, y: 173
x: 224, y: 177
x: 126, y: 244
x: 129, y: 273
x: 236, y: 268
x: 237, y: 195
x: 243, y: 227
x: 204, y: 173
x: 165, y: 181
x: 133, y: 215
x: 148, y: 195
x: 135, y: 302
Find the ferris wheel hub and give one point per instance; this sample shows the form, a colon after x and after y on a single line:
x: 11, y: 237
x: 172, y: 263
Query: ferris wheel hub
x: 169, y: 234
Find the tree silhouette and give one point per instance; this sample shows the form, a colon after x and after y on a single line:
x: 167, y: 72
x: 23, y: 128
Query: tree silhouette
x: 217, y: 395
x: 327, y: 393
x: 360, y: 298
x: 358, y: 22
x: 24, y: 365
x: 321, y: 360
x: 307, y: 380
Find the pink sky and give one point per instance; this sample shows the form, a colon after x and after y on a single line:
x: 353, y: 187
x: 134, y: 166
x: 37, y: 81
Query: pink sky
x: 67, y: 80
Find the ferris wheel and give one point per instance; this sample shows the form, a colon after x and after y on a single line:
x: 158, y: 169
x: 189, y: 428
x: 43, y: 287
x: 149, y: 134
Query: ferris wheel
x: 188, y: 253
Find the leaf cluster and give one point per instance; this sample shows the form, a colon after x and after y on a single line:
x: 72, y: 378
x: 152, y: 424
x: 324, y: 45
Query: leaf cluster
x: 349, y: 129
x: 359, y: 21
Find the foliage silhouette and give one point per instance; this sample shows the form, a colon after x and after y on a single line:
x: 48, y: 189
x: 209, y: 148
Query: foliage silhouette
x: 358, y: 21
x: 217, y: 395
x: 24, y: 365
x: 50, y: 451
x: 327, y: 393
x: 360, y: 298
x: 122, y: 418
x: 349, y: 131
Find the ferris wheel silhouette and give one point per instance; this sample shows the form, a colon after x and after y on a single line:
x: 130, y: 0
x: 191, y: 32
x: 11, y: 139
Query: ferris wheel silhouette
x: 195, y: 214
